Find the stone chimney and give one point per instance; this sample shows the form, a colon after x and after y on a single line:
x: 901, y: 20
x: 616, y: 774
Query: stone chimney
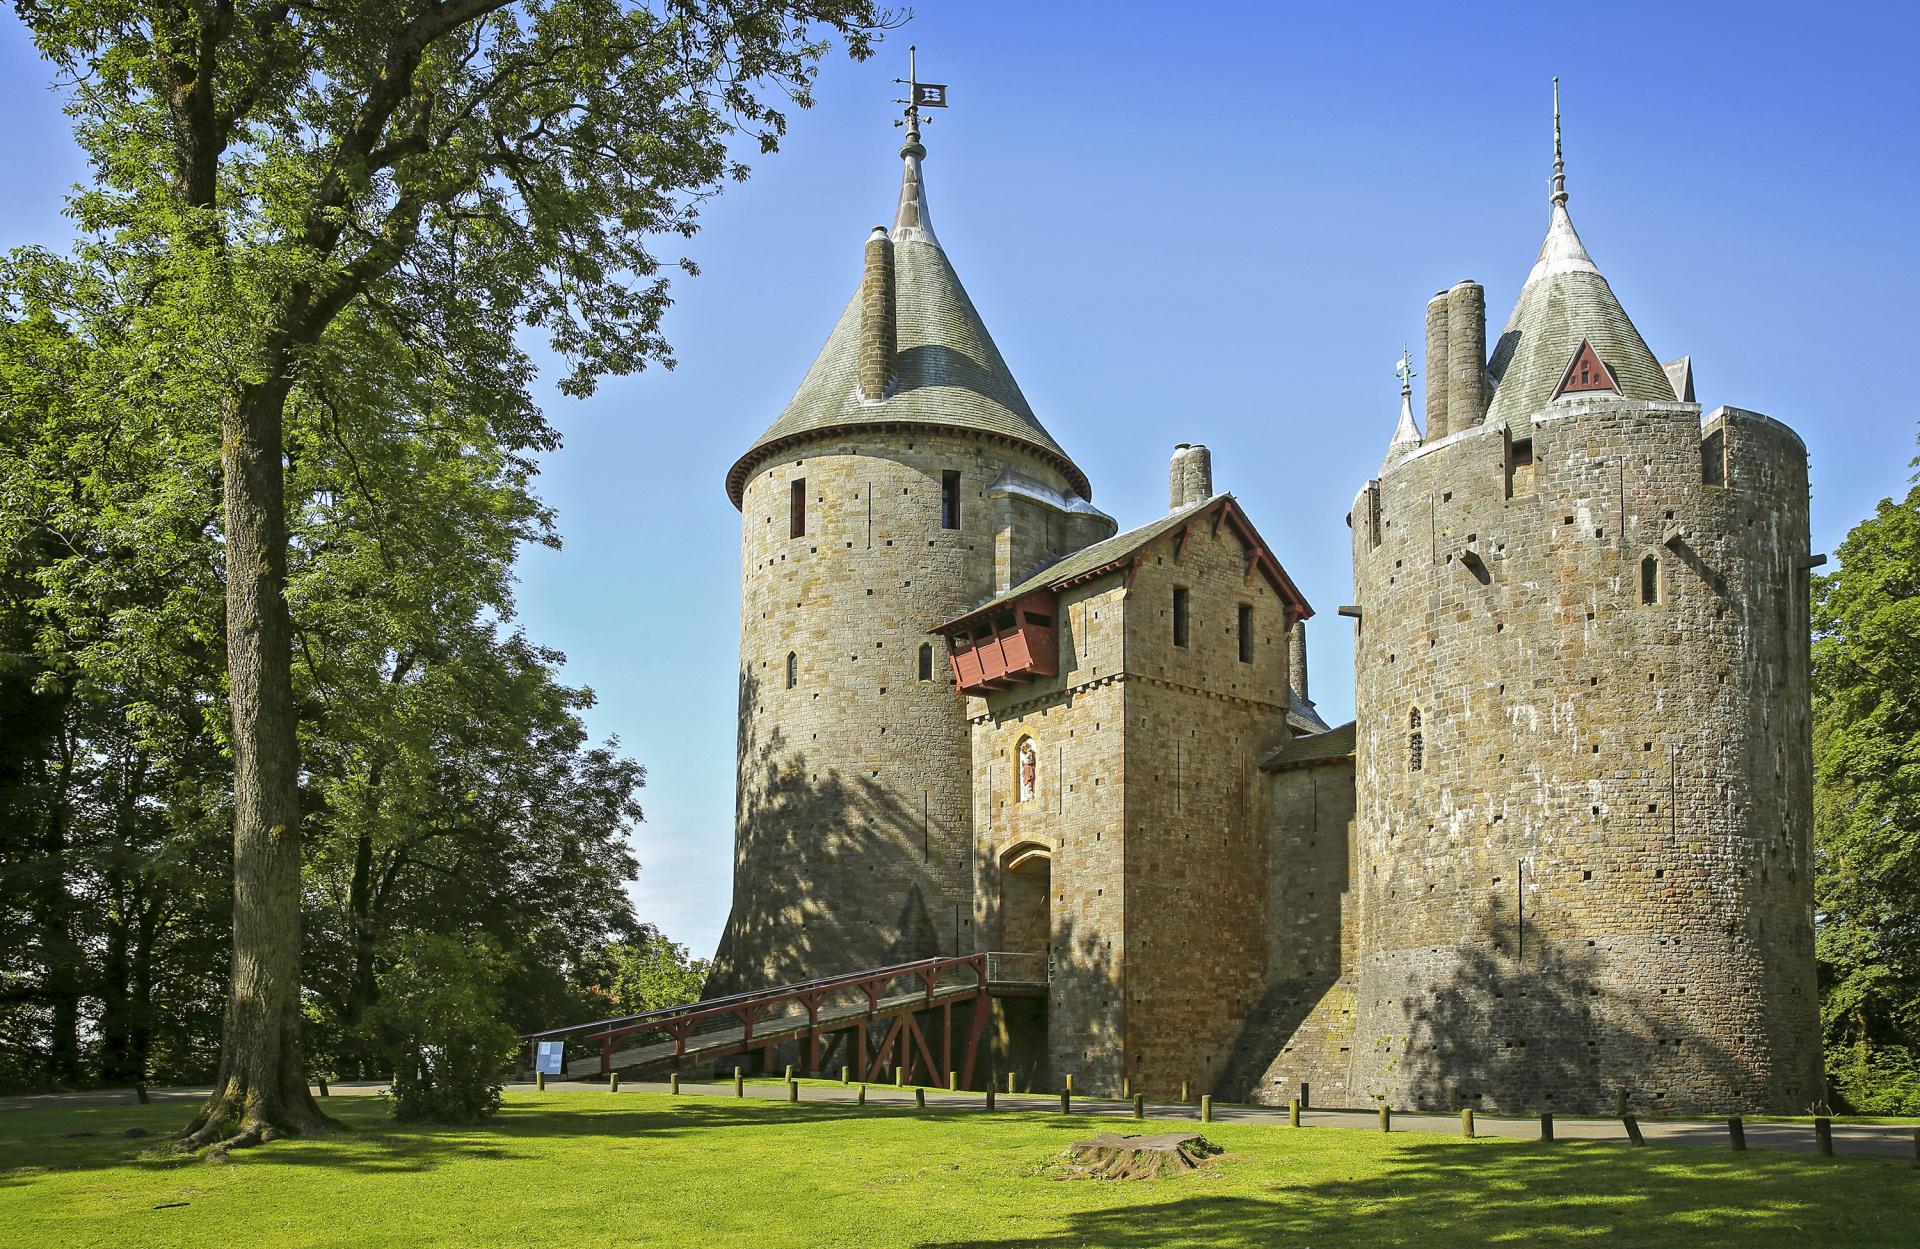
x: 1439, y: 366
x: 1189, y: 476
x: 1466, y: 356
x: 1297, y: 661
x: 877, y: 339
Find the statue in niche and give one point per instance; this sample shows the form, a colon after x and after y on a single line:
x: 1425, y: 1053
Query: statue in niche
x: 1029, y: 763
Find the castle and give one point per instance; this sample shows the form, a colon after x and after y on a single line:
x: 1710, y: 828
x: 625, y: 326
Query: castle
x: 1562, y: 850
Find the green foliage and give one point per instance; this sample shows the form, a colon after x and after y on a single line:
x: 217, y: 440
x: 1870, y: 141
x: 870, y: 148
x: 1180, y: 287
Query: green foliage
x: 648, y: 972
x: 1866, y: 668
x: 439, y: 1023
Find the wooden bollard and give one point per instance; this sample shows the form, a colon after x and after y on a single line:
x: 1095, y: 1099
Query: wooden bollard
x: 540, y: 1081
x: 1183, y: 1092
x: 1066, y: 1101
x: 1823, y: 1135
x: 953, y: 1082
x: 1139, y: 1106
x: 989, y: 1094
x: 1009, y: 1084
x: 920, y: 1097
x: 1546, y: 1125
x: 1293, y: 1112
x: 673, y: 1083
x: 1386, y: 1118
x: 1736, y: 1133
x: 1206, y: 1108
x: 613, y: 1082
x: 899, y: 1077
x: 739, y: 1083
x: 861, y: 1100
x: 1633, y: 1129
x: 789, y: 1071
x: 1466, y: 1122
x: 846, y: 1074
x: 793, y: 1090
x: 1126, y: 1087
x: 1069, y: 1081
x: 1620, y: 1103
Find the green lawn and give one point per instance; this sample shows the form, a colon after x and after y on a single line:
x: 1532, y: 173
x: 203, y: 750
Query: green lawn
x: 580, y: 1170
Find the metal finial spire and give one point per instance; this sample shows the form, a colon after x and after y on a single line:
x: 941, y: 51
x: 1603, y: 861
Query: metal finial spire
x: 919, y: 94
x: 1403, y: 369
x: 1559, y: 161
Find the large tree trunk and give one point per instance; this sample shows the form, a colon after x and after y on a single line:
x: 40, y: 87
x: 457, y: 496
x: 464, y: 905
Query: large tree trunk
x: 261, y: 1091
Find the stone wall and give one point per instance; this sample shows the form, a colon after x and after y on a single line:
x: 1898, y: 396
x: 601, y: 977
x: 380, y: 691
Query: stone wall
x: 854, y: 837
x: 1585, y: 865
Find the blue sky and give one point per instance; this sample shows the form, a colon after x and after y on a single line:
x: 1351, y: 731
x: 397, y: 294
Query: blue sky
x: 1219, y: 229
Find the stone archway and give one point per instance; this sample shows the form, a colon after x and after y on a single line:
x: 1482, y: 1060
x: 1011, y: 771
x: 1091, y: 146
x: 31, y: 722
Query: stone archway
x: 1026, y: 910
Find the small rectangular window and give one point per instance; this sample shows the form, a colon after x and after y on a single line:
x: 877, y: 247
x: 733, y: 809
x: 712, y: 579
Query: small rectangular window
x: 797, y: 509
x: 1649, y: 580
x: 950, y: 499
x: 1246, y: 633
x: 1520, y: 468
x: 1179, y: 616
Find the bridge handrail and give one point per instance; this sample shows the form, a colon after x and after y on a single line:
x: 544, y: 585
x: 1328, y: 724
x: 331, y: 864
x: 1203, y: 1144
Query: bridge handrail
x: 726, y: 1005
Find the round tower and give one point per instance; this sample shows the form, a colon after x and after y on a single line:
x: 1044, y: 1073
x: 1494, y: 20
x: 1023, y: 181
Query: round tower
x: 1583, y: 762
x: 868, y: 517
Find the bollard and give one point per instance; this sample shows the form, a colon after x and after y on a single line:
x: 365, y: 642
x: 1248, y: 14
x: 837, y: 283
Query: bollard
x: 793, y: 1090
x: 1293, y: 1113
x: 1453, y: 1097
x: 1736, y: 1133
x: 1466, y: 1122
x: 1386, y: 1118
x: 846, y: 1074
x: 789, y: 1071
x: 1546, y: 1125
x: 1206, y: 1108
x: 1139, y: 1106
x: 920, y: 1098
x: 141, y: 1089
x: 899, y: 1077
x: 861, y: 1100
x: 1823, y: 1135
x: 739, y: 1083
x: 613, y: 1082
x: 989, y: 1094
x: 1620, y: 1103
x: 1069, y: 1081
x: 1009, y: 1084
x: 673, y: 1083
x: 1126, y: 1087
x: 540, y: 1081
x: 1066, y: 1102
x: 1633, y: 1129
x: 1183, y: 1092
x: 953, y: 1082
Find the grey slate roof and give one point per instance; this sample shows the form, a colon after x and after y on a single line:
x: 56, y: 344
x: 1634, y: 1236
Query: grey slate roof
x: 1302, y: 715
x: 1334, y: 744
x: 948, y: 372
x: 1565, y: 299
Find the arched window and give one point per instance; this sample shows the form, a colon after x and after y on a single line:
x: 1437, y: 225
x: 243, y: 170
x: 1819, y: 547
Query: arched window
x: 793, y: 669
x: 1416, y: 743
x: 926, y: 661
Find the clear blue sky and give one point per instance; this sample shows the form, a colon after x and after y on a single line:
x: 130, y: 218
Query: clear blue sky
x: 1217, y: 223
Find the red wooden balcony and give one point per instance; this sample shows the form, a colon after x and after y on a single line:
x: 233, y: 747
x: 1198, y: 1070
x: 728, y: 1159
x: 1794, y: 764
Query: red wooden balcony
x: 1007, y: 646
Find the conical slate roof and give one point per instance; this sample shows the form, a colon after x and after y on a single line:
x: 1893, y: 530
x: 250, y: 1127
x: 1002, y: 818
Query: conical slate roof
x: 1565, y: 300
x: 948, y: 374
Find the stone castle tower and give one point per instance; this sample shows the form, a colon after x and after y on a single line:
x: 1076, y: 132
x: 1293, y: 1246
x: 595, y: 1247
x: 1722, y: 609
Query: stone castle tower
x: 1583, y: 764
x: 907, y: 479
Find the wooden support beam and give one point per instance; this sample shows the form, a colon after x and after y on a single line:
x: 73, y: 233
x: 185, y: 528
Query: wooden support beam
x: 982, y: 1007
x: 920, y: 1039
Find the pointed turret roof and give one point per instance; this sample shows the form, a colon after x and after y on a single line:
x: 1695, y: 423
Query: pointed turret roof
x: 948, y: 374
x: 1406, y: 435
x: 1565, y: 300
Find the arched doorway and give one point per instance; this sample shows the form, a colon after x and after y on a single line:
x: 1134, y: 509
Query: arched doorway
x: 1026, y: 912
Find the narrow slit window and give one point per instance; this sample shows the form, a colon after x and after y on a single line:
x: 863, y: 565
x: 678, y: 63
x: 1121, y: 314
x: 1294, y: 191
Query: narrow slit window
x: 793, y: 669
x: 1416, y: 743
x: 926, y: 661
x: 950, y: 499
x: 1520, y: 468
x: 1650, y: 580
x: 1246, y: 633
x: 797, y: 509
x: 1179, y: 616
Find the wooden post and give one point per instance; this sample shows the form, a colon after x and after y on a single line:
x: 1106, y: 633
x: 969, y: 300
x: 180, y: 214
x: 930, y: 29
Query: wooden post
x: 793, y: 1090
x: 1139, y: 1106
x: 1293, y: 1112
x: 1386, y: 1118
x: 1466, y: 1123
x: 1546, y: 1125
x: 1009, y: 1084
x: 953, y: 1082
x: 739, y: 1083
x: 1633, y: 1129
x: 1126, y: 1087
x: 540, y: 1081
x: 1183, y: 1092
x: 789, y: 1075
x: 861, y: 1100
x: 673, y: 1083
x: 613, y: 1082
x: 900, y: 1073
x: 1206, y: 1108
x: 1069, y: 1081
x: 1620, y: 1103
x: 1736, y: 1133
x: 1823, y: 1135
x: 920, y: 1098
x: 846, y: 1074
x: 1066, y: 1102
x: 989, y: 1094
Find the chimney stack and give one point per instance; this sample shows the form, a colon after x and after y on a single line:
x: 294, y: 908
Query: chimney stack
x: 1466, y: 355
x: 1189, y: 476
x: 877, y: 338
x: 1297, y: 661
x: 1439, y: 366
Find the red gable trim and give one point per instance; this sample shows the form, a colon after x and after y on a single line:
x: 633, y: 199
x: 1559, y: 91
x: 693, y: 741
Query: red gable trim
x: 1585, y: 371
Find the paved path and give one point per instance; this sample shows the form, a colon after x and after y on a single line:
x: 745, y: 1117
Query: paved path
x: 1881, y: 1141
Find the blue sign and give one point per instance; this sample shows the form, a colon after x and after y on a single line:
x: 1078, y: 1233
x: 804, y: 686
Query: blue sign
x: 550, y: 1061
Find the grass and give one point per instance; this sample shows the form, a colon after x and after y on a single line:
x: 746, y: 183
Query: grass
x: 585, y: 1170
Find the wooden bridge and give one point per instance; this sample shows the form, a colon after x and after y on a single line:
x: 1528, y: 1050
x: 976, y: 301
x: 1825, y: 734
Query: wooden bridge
x: 910, y: 1005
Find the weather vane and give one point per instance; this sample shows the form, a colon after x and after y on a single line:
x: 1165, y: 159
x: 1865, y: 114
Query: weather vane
x: 1403, y: 368
x: 919, y: 95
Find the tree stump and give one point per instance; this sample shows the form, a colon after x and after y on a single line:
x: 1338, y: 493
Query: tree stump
x: 1111, y: 1156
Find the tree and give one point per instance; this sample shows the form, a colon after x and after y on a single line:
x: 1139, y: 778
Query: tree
x: 647, y: 972
x: 271, y: 173
x: 1866, y: 666
x: 440, y: 1028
